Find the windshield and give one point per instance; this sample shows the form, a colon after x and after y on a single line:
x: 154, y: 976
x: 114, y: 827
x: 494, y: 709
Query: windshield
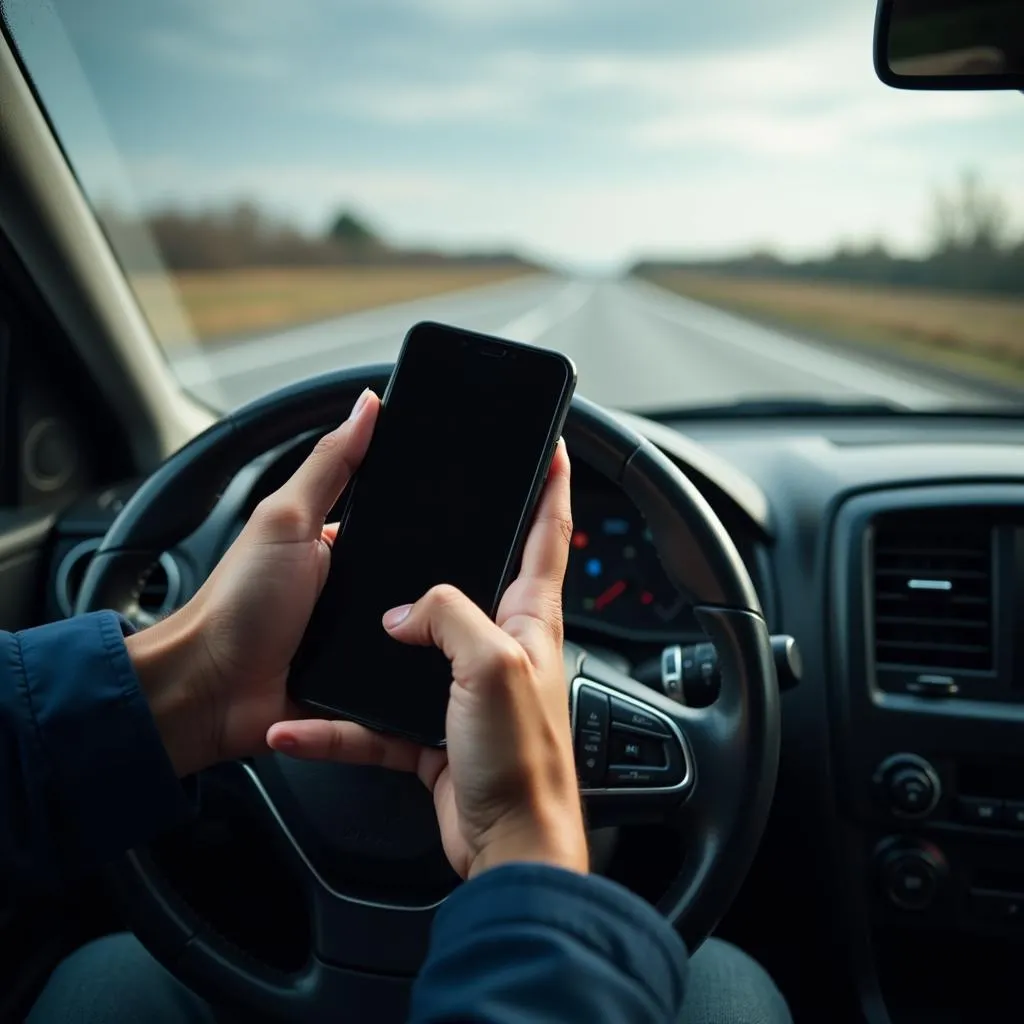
x: 702, y: 204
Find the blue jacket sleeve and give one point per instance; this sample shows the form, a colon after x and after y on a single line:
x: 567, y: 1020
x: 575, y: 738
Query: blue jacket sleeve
x: 83, y: 774
x: 530, y: 942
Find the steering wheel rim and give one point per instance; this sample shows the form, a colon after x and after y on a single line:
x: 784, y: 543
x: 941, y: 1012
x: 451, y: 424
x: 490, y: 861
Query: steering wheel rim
x: 730, y: 749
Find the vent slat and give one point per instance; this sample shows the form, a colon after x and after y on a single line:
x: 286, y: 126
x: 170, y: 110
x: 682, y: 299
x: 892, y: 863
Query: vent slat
x: 931, y: 645
x: 910, y: 620
x: 924, y: 628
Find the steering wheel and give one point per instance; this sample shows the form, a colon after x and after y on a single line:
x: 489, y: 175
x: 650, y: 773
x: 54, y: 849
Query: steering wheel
x: 364, y: 842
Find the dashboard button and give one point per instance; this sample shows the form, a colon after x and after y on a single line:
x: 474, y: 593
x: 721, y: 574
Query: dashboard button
x: 910, y: 881
x: 976, y: 810
x: 997, y: 907
x: 908, y: 785
x: 911, y: 791
x: 624, y: 713
x: 1013, y: 813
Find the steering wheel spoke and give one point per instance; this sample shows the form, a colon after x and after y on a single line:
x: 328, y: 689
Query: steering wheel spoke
x: 347, y: 929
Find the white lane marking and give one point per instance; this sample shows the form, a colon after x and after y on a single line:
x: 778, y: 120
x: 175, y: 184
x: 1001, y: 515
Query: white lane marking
x: 295, y: 343
x: 535, y: 323
x: 771, y: 345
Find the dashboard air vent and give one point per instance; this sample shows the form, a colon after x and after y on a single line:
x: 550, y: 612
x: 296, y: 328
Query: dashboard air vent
x: 933, y: 590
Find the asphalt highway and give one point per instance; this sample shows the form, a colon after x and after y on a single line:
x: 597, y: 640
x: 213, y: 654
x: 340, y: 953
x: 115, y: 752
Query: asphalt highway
x: 635, y: 345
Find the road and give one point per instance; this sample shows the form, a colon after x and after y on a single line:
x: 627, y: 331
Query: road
x: 636, y: 346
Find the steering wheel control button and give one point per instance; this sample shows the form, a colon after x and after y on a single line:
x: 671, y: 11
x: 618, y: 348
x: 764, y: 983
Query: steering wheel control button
x: 1013, y: 814
x: 908, y: 785
x: 591, y: 710
x: 646, y: 778
x: 629, y: 748
x: 591, y: 736
x: 977, y: 810
x: 622, y: 745
x: 648, y: 773
x: 591, y: 757
x: 635, y: 717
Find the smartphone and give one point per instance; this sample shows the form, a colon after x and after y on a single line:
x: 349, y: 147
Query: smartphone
x: 464, y: 440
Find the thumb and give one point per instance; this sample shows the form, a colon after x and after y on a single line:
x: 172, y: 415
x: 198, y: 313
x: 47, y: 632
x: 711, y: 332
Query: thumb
x: 445, y: 618
x: 315, y: 486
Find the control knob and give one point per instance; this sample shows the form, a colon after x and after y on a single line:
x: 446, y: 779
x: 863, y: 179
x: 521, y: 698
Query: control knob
x: 908, y: 785
x: 910, y: 874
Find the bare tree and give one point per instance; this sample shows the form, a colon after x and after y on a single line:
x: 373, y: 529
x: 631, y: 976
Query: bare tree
x: 970, y: 217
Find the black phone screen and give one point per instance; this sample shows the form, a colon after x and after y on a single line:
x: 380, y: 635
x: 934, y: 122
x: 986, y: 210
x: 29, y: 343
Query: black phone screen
x: 460, y: 450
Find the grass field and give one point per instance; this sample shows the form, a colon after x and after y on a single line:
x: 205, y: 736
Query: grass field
x: 225, y: 304
x: 977, y: 334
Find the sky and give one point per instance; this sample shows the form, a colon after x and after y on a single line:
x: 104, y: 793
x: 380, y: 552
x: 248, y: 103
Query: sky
x: 587, y: 133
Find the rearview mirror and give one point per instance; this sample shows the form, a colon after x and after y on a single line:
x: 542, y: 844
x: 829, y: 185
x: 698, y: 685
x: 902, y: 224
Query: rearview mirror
x: 950, y: 44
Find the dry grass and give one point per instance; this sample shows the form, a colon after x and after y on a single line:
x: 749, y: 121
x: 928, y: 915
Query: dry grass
x: 983, y: 334
x: 225, y: 304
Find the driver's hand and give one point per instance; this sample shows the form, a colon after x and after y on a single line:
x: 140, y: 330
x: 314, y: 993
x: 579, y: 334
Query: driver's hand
x: 215, y: 671
x: 505, y: 788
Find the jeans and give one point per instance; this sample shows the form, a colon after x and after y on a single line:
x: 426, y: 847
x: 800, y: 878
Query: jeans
x: 114, y: 980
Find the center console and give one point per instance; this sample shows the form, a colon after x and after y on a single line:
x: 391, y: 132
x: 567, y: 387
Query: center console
x: 928, y: 718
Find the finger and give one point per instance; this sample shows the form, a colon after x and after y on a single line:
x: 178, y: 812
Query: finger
x: 329, y: 534
x: 315, y: 486
x: 344, y: 742
x: 547, y: 544
x: 446, y: 618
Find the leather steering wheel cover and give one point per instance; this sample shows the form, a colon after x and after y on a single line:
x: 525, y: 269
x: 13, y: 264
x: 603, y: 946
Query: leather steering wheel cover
x: 698, y: 555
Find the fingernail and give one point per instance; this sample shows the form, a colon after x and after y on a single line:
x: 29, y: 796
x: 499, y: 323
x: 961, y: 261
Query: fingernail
x: 285, y: 744
x: 396, y: 616
x: 360, y: 404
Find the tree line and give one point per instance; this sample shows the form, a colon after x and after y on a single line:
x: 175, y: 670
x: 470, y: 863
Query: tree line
x: 973, y: 248
x: 243, y: 235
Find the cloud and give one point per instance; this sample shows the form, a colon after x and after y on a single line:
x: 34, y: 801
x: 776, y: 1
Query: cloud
x: 489, y: 12
x: 428, y: 102
x: 194, y: 54
x: 587, y: 130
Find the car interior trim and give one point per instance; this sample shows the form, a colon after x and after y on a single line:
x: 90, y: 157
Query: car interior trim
x: 56, y: 236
